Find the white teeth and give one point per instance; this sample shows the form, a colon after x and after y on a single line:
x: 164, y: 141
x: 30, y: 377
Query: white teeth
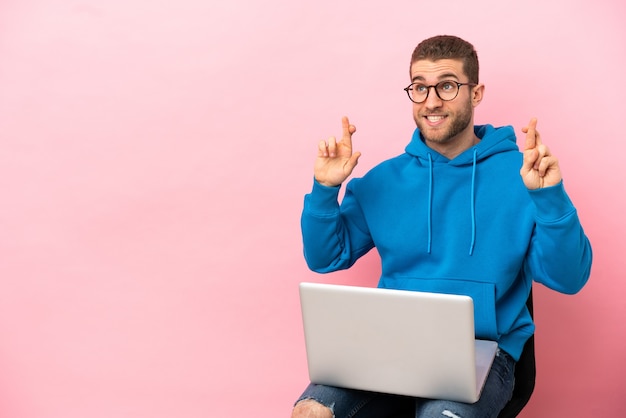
x: 434, y: 118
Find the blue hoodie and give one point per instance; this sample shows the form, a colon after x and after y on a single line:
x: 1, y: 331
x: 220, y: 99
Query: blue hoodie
x: 463, y: 226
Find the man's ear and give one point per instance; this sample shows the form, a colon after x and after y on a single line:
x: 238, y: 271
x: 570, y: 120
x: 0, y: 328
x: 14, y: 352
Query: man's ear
x: 477, y: 94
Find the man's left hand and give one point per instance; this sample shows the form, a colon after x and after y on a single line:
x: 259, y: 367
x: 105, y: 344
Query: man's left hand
x: 540, y: 168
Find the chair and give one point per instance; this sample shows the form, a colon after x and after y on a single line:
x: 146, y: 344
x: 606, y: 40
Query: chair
x: 525, y: 372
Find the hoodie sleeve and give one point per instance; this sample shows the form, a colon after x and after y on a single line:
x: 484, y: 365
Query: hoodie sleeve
x: 334, y: 237
x: 560, y: 254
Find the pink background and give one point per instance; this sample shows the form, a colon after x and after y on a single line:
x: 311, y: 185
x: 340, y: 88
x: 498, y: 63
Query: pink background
x: 154, y: 156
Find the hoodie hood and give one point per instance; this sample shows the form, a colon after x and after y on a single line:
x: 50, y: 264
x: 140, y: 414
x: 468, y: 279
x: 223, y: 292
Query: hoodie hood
x: 492, y: 141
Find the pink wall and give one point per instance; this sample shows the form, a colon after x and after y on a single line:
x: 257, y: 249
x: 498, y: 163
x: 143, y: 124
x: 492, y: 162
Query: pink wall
x: 153, y: 160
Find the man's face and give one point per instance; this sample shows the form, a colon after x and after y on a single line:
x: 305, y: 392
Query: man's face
x: 444, y: 122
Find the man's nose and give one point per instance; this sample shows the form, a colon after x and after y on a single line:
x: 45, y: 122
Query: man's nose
x: 432, y: 99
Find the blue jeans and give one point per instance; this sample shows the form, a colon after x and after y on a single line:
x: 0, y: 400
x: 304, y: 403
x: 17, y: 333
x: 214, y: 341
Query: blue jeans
x: 349, y: 403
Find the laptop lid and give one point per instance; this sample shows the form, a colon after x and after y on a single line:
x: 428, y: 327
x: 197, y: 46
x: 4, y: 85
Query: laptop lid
x: 393, y: 341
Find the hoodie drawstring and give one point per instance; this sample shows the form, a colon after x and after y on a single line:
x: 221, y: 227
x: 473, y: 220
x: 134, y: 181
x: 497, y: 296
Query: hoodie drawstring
x: 430, y: 203
x: 473, y: 203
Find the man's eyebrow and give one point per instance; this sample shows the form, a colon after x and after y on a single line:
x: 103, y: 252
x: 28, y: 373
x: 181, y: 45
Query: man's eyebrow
x: 441, y: 77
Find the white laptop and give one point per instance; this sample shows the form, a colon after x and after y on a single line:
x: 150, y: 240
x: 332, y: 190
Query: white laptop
x: 393, y: 341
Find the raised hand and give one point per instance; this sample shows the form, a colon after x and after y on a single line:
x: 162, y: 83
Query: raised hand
x: 335, y: 159
x: 540, y: 168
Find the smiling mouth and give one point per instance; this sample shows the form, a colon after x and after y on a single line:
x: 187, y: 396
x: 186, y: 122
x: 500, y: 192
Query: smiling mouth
x: 435, y: 118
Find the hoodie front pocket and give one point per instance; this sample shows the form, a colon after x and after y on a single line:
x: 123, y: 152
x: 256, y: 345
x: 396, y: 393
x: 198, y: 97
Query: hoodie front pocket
x: 482, y: 293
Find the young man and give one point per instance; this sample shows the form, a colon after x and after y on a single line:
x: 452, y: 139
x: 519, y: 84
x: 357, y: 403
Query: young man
x: 462, y: 211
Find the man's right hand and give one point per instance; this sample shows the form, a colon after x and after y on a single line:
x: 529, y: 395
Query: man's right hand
x: 335, y: 160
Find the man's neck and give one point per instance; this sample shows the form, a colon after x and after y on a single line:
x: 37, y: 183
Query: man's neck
x: 454, y: 146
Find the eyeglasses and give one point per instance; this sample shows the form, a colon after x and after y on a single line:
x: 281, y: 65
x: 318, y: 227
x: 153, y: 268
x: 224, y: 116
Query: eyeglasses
x: 446, y: 90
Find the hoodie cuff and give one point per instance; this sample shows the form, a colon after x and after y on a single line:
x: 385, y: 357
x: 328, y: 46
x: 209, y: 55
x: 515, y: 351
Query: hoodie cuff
x: 552, y: 203
x: 322, y: 200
